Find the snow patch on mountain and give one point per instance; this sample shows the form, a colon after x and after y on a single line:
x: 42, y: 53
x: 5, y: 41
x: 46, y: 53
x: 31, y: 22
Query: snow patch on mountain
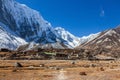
x: 110, y: 32
x: 7, y: 40
x: 88, y: 38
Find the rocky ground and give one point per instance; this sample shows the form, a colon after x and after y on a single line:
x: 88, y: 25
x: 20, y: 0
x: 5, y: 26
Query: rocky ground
x: 59, y: 70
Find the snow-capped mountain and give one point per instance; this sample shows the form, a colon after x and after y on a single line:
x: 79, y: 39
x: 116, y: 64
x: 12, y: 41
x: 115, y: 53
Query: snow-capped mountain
x: 86, y: 39
x: 28, y: 23
x: 24, y: 21
x: 22, y: 24
x: 71, y: 40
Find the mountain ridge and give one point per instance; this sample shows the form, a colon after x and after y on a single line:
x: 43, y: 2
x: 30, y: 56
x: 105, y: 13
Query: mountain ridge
x: 30, y: 26
x: 109, y: 39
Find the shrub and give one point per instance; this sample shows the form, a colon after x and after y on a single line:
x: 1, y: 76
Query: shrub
x: 102, y: 69
x: 83, y: 73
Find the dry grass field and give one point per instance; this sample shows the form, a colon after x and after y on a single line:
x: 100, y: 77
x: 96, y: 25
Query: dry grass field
x: 59, y: 70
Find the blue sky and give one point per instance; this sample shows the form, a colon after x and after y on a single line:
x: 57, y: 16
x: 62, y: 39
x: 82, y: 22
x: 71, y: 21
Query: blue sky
x: 80, y: 17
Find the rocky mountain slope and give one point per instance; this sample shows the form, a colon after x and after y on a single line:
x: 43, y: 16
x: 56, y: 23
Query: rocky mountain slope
x: 104, y: 46
x: 109, y: 39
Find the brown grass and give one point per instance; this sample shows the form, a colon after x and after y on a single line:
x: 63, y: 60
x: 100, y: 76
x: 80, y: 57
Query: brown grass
x: 82, y: 70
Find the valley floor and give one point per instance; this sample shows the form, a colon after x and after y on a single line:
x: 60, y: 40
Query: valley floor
x: 59, y: 70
